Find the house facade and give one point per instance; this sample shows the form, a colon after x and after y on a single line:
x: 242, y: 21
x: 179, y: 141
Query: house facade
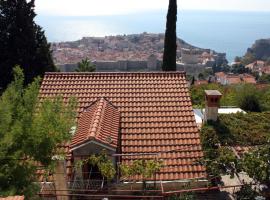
x: 133, y: 116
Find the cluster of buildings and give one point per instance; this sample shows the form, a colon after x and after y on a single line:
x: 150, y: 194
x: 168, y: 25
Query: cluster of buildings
x: 132, y: 53
x: 205, y: 57
x: 110, y: 48
x: 229, y: 78
x: 259, y: 66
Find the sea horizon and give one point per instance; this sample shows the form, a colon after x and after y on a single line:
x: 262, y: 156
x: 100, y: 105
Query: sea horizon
x: 230, y: 32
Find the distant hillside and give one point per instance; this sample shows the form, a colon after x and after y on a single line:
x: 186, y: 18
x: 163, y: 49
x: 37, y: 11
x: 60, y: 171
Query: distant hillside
x: 260, y: 50
x: 120, y: 47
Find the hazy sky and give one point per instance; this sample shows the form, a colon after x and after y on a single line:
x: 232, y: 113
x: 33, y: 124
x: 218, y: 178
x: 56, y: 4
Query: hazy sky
x: 112, y: 7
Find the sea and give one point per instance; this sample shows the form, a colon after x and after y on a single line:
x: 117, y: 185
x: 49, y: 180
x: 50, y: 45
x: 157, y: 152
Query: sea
x: 230, y: 32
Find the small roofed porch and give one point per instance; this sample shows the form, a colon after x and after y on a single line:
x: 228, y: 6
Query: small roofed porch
x: 95, y: 140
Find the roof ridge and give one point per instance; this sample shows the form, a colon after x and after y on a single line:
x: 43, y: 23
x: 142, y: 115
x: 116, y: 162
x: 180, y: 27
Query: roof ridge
x: 94, y: 73
x: 98, y: 117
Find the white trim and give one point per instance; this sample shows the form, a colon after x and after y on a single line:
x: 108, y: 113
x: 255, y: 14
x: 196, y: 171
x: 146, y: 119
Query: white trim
x: 94, y: 142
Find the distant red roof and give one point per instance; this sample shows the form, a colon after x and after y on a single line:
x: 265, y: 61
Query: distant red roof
x: 156, y: 115
x: 220, y: 74
x: 247, y: 78
x: 201, y: 82
x: 99, y: 122
x: 13, y: 198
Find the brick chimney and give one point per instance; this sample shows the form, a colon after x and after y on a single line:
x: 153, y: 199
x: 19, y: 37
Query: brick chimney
x: 212, y: 98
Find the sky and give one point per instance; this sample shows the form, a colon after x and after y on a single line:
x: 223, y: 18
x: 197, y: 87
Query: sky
x: 114, y: 7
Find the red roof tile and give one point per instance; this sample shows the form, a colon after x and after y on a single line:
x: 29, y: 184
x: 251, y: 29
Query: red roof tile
x: 156, y: 115
x: 99, y: 122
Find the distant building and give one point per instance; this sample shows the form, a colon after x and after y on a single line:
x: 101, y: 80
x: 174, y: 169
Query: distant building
x: 255, y: 66
x: 259, y: 66
x: 228, y: 79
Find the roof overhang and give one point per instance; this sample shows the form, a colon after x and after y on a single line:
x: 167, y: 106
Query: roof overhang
x: 93, y: 142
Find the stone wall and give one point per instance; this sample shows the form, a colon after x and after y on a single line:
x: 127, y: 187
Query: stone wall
x: 133, y: 66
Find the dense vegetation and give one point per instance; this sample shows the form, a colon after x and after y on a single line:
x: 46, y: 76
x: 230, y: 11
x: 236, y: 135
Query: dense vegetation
x: 243, y: 129
x: 251, y: 129
x: 245, y: 96
x: 170, y: 46
x: 30, y: 132
x: 22, y: 42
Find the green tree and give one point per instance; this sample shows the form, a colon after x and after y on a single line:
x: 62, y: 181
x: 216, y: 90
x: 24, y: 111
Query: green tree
x: 240, y: 69
x: 201, y: 76
x: 30, y: 131
x: 248, y: 98
x: 86, y: 66
x: 248, y: 58
x: 257, y: 164
x: 265, y: 78
x: 246, y: 192
x: 192, y: 81
x: 144, y: 168
x: 237, y: 59
x: 22, y: 42
x: 170, y: 46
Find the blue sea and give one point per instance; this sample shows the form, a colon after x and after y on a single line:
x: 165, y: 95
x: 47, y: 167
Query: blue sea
x: 223, y: 31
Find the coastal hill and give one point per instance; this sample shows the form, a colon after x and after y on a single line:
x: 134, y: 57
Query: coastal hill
x: 260, y: 50
x: 114, y: 48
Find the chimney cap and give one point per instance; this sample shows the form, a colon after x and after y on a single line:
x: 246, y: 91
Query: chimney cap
x: 212, y: 93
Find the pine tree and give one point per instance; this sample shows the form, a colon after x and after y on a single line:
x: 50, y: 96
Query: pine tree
x: 28, y: 132
x: 170, y: 46
x: 22, y: 42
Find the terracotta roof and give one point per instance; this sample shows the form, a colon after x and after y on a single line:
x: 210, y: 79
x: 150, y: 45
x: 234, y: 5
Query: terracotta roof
x: 13, y: 198
x: 233, y: 79
x: 99, y: 122
x: 156, y: 114
x: 220, y: 74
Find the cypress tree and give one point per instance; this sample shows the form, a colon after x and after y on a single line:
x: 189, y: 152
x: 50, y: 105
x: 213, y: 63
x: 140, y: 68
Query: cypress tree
x: 22, y: 42
x: 170, y: 46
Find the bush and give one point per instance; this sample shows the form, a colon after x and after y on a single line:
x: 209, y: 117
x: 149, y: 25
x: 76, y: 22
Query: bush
x: 246, y: 192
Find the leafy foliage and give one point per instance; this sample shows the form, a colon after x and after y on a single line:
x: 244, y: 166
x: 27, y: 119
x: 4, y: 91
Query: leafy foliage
x: 218, y: 160
x: 243, y: 129
x: 257, y: 164
x: 198, y: 94
x: 240, y: 69
x: 86, y: 66
x: 22, y: 42
x: 170, y: 46
x: 185, y: 196
x: 144, y: 168
x: 102, y: 161
x: 29, y: 132
x: 246, y: 192
x: 246, y: 96
x: 265, y: 78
